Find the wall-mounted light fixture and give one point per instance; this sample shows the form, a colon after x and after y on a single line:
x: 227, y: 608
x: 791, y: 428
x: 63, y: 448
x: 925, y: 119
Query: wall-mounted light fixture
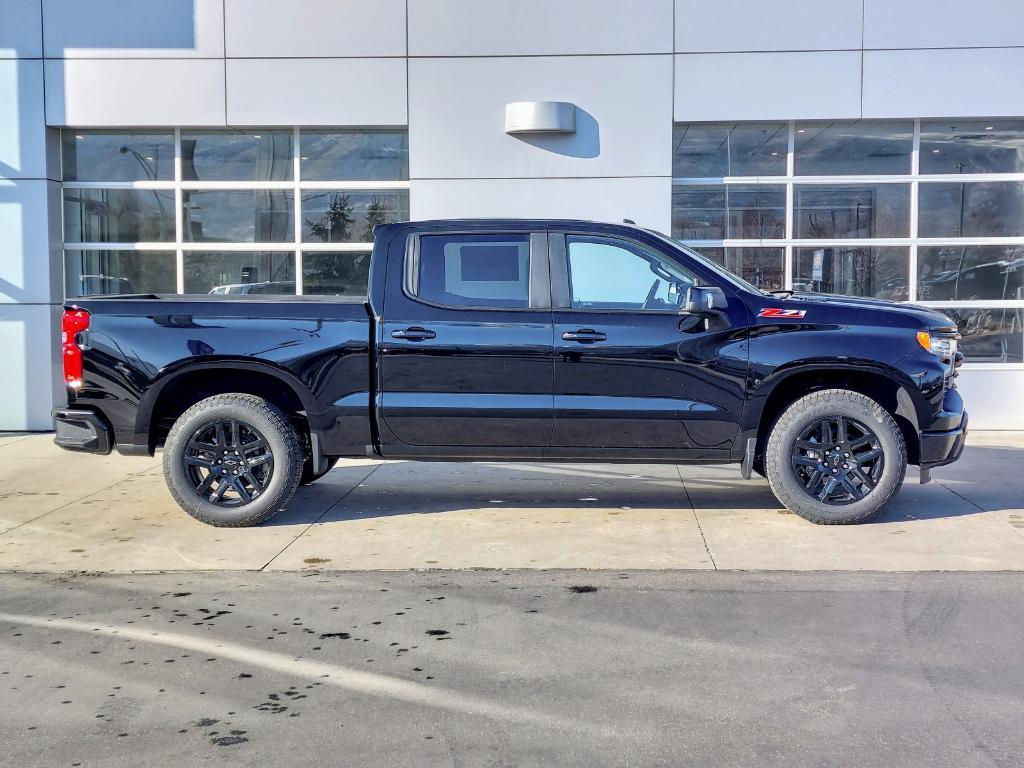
x: 540, y: 117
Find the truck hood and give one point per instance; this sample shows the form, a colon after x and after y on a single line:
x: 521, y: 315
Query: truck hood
x: 928, y: 318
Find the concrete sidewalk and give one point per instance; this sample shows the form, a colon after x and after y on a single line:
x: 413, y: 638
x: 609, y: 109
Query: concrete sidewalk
x: 66, y: 512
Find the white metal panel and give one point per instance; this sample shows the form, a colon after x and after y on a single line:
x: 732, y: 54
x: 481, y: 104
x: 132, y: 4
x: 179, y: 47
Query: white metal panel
x: 942, y: 23
x: 21, y: 34
x: 314, y: 28
x: 645, y: 201
x: 30, y: 386
x: 312, y: 92
x: 538, y: 27
x: 29, y: 270
x: 767, y: 86
x: 143, y: 92
x: 754, y: 25
x: 22, y: 125
x: 984, y: 82
x: 994, y: 398
x: 623, y: 117
x: 178, y: 29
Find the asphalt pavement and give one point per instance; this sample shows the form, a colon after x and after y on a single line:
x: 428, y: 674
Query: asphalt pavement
x: 512, y: 668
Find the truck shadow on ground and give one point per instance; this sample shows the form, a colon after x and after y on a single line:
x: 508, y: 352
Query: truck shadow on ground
x: 991, y: 482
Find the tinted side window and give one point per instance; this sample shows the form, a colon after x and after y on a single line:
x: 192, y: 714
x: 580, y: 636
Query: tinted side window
x: 614, y: 274
x: 474, y: 270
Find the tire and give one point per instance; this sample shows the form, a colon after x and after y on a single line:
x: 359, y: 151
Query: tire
x: 307, y: 470
x: 200, y: 451
x: 799, y: 473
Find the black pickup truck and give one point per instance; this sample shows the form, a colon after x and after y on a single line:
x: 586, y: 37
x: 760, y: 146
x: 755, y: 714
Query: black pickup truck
x: 517, y: 340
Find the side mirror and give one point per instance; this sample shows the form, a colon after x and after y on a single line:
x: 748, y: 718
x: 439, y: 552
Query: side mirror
x: 705, y: 301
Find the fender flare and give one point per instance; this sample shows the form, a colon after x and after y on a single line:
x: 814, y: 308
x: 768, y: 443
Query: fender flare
x: 759, y: 396
x: 146, y: 407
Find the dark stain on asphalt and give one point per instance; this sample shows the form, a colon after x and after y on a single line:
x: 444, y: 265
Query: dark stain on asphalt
x: 236, y: 737
x: 581, y: 589
x: 316, y: 560
x: 181, y: 594
x: 338, y: 635
x: 437, y: 632
x: 205, y: 722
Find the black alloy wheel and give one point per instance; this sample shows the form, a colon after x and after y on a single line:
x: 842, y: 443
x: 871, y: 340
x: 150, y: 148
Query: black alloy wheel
x: 228, y: 462
x: 837, y: 460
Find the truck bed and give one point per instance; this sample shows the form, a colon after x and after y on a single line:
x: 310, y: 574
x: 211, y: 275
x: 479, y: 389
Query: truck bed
x: 147, y: 354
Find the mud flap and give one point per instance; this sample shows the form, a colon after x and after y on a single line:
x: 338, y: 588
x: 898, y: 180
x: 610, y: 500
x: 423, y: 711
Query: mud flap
x: 747, y: 468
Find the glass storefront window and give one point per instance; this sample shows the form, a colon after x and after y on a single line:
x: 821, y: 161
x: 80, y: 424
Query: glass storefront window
x: 368, y: 155
x: 236, y: 155
x: 698, y: 213
x: 751, y: 149
x: 763, y: 267
x: 108, y: 156
x: 348, y: 216
x: 239, y: 195
x: 728, y: 211
x: 991, y: 335
x: 327, y: 273
x: 860, y: 148
x: 971, y: 272
x: 874, y: 272
x: 251, y: 216
x: 98, y: 273
x: 824, y: 211
x: 979, y: 209
x: 118, y: 215
x: 856, y: 238
x: 983, y: 146
x: 240, y: 274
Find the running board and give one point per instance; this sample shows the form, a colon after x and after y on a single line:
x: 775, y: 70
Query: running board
x: 747, y: 468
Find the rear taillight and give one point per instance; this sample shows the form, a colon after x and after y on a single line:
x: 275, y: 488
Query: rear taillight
x: 73, y: 323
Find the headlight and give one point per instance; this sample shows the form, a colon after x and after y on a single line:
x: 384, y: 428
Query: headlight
x: 942, y: 346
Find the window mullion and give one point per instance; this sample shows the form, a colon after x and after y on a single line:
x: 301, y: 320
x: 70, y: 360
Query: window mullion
x: 179, y: 235
x: 790, y: 166
x: 297, y: 176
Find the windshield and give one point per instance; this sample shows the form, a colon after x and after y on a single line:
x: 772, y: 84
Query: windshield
x: 704, y: 261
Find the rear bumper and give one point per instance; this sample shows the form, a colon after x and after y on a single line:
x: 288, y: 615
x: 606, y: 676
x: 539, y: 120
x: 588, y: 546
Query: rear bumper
x: 80, y: 430
x: 940, y: 448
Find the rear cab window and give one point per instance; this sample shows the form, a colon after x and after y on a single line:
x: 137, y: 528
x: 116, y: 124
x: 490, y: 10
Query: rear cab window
x: 473, y: 270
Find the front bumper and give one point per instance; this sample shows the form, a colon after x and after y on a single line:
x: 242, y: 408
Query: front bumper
x: 80, y: 430
x: 940, y: 448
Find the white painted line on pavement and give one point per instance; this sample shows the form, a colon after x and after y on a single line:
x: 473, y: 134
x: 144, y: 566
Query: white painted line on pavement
x: 357, y: 681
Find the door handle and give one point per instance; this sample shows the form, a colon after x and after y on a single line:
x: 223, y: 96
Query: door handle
x: 413, y: 334
x: 584, y: 336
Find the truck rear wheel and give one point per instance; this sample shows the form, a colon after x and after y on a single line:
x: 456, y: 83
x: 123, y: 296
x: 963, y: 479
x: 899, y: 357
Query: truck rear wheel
x: 835, y: 457
x: 232, y: 460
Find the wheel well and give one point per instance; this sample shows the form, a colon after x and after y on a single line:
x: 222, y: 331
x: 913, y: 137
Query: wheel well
x: 883, y: 390
x: 188, y: 389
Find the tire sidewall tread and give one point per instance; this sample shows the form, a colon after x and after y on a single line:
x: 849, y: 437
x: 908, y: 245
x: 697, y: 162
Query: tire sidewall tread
x: 284, y: 443
x: 801, y: 414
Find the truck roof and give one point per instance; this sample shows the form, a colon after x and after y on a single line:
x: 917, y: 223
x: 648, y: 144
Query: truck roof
x: 512, y: 222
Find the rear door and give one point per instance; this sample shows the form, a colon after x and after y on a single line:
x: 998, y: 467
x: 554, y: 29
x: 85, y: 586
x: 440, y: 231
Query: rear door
x: 466, y: 344
x: 634, y: 376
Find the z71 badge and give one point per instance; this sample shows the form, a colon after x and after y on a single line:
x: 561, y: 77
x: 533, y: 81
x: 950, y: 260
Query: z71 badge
x: 795, y: 314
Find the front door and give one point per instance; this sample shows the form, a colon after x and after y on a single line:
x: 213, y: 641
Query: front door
x: 633, y: 375
x: 466, y: 350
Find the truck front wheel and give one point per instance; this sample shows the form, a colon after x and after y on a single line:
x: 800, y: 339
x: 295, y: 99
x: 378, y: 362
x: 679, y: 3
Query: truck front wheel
x: 232, y: 460
x: 835, y: 457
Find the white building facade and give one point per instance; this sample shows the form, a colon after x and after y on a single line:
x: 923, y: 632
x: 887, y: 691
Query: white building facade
x: 867, y: 147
